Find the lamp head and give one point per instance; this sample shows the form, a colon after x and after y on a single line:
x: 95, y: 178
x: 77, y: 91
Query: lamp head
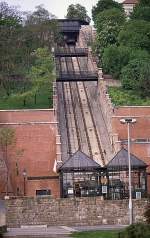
x: 24, y: 173
x: 128, y: 120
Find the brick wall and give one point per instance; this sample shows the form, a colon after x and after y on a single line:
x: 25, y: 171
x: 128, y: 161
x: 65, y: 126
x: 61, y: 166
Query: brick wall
x: 118, y: 131
x: 35, y: 150
x: 79, y: 211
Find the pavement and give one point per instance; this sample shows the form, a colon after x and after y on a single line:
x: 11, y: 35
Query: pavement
x: 55, y: 231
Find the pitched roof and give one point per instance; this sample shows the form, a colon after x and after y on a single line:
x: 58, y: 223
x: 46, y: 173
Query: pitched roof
x: 130, y: 2
x: 120, y: 161
x: 79, y: 162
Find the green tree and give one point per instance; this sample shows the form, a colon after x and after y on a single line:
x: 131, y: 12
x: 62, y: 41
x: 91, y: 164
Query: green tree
x: 141, y: 11
x: 7, y: 139
x: 135, y: 34
x: 43, y: 28
x: 77, y: 11
x: 40, y: 75
x: 114, y: 58
x: 108, y: 23
x: 111, y: 16
x: 144, y: 2
x: 104, y: 5
x: 18, y: 43
x: 136, y: 76
x: 10, y: 31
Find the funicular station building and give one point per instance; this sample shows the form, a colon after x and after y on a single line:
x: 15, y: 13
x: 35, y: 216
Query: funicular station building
x: 80, y: 174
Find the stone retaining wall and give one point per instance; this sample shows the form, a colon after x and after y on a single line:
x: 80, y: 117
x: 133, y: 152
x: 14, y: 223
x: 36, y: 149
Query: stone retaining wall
x: 70, y: 211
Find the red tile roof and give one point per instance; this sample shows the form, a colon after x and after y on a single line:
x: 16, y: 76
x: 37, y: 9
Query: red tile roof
x: 130, y: 2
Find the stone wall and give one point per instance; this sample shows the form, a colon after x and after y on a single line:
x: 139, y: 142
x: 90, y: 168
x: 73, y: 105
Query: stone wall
x: 71, y: 211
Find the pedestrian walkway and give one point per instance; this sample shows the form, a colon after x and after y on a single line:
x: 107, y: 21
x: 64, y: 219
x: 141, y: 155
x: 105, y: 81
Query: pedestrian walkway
x: 55, y: 231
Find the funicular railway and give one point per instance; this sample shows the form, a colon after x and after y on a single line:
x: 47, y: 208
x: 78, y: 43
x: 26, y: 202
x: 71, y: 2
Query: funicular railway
x: 79, y: 136
x: 86, y: 149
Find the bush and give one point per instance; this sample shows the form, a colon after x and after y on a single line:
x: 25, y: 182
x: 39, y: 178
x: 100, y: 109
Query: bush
x: 122, y: 97
x: 138, y: 230
x: 136, y: 76
x: 114, y: 58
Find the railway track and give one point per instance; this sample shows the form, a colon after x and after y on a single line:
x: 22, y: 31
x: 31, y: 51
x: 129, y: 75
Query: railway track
x: 73, y: 137
x: 81, y: 122
x: 81, y: 126
x: 72, y: 92
x: 97, y: 153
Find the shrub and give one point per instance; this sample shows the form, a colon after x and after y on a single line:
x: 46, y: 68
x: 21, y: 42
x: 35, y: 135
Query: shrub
x: 138, y: 230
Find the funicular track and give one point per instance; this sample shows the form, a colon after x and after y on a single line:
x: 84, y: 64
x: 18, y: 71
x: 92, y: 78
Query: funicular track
x: 92, y: 117
x: 63, y: 121
x: 74, y: 135
x: 85, y: 145
x: 95, y: 145
x: 92, y: 92
x: 81, y: 126
x: 82, y: 132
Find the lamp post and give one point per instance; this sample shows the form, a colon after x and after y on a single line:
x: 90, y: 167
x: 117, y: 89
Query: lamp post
x: 24, y: 173
x: 129, y: 121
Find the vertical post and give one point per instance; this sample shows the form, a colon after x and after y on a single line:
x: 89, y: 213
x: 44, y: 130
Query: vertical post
x: 24, y: 181
x: 24, y: 186
x: 128, y: 121
x: 130, y: 187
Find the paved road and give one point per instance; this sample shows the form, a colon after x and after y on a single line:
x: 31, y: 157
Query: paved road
x: 54, y: 231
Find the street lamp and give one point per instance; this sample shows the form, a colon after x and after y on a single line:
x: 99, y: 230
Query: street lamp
x: 129, y: 121
x: 24, y: 173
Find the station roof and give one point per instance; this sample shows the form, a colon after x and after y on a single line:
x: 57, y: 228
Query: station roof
x: 79, y: 162
x: 81, y: 22
x: 120, y: 161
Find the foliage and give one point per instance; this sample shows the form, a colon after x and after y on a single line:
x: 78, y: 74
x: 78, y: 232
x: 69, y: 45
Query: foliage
x: 138, y: 230
x: 42, y: 28
x: 77, y: 11
x: 95, y: 234
x: 122, y: 97
x: 108, y: 23
x: 144, y: 2
x: 41, y: 71
x: 18, y: 45
x: 124, y: 46
x: 7, y: 136
x: 9, y: 15
x: 43, y: 100
x: 141, y: 13
x: 135, y: 34
x: 104, y: 5
x: 110, y: 16
x: 114, y: 58
x: 136, y: 76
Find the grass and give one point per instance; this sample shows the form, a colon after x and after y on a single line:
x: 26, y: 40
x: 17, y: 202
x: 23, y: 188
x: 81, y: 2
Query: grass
x: 44, y: 101
x: 95, y: 234
x: 122, y: 97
